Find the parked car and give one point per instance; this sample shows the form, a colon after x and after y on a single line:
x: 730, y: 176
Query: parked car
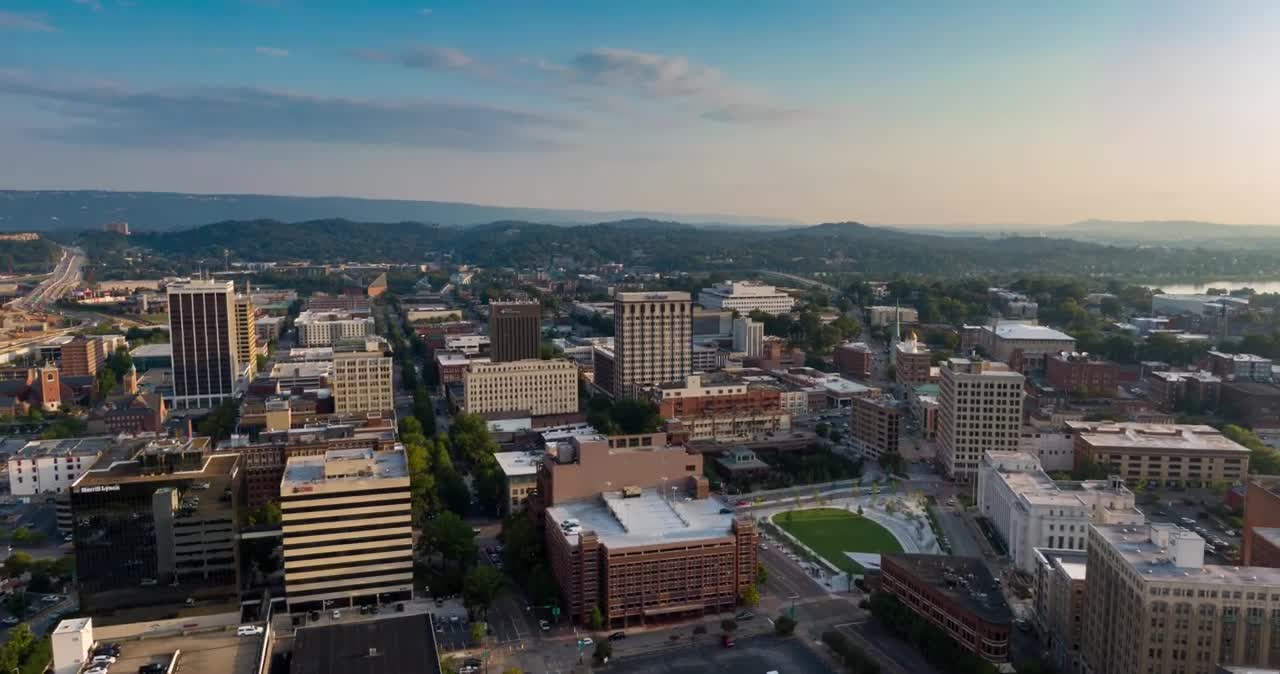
x: 248, y: 630
x: 544, y: 626
x: 314, y: 616
x: 10, y: 620
x: 726, y: 640
x: 336, y: 614
x: 617, y: 636
x: 153, y: 668
x: 744, y: 615
x: 584, y: 642
x: 103, y: 660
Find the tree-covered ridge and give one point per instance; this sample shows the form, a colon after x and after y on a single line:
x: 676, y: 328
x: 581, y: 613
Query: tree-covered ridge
x: 833, y: 247
x: 18, y: 257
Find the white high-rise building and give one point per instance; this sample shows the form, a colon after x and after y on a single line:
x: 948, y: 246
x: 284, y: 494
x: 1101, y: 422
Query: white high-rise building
x: 202, y: 331
x: 323, y: 328
x: 979, y: 410
x: 653, y: 335
x: 748, y: 337
x: 746, y: 297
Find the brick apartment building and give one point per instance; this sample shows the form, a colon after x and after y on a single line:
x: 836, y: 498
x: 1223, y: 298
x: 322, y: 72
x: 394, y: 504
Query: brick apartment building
x: 1261, y: 535
x: 874, y: 425
x: 81, y: 357
x: 1076, y: 373
x: 1182, y: 453
x: 854, y: 359
x: 957, y: 594
x: 911, y: 363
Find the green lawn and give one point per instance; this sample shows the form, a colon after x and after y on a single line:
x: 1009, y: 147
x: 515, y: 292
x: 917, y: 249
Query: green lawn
x: 831, y: 532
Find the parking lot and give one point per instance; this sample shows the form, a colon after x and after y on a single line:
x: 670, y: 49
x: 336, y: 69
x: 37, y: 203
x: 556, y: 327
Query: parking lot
x: 1185, y: 508
x: 217, y: 652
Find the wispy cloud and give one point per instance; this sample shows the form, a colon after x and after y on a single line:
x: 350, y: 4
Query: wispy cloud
x: 114, y: 114
x: 95, y: 5
x: 274, y: 52
x: 29, y: 22
x: 426, y: 57
x: 425, y: 11
x: 672, y: 77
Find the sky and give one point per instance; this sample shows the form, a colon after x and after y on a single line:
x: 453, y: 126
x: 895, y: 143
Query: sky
x: 1005, y: 113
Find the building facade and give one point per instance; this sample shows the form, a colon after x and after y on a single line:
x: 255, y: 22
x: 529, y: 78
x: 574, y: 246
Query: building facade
x: 1261, y: 511
x: 748, y: 337
x: 854, y: 359
x: 956, y: 594
x: 1030, y: 510
x: 642, y: 557
x: 746, y: 297
x: 1079, y: 373
x: 1153, y: 605
x: 1059, y: 606
x: 1023, y: 344
x: 202, y: 332
x: 1169, y: 453
x: 979, y: 410
x: 348, y: 533
x: 515, y: 331
x: 875, y: 425
x: 324, y: 328
x: 883, y: 317
x: 520, y: 473
x: 1237, y: 366
x: 362, y: 377
x: 81, y: 357
x: 52, y: 466
x: 911, y: 363
x: 155, y: 529
x: 246, y: 333
x: 652, y: 340
x: 534, y: 387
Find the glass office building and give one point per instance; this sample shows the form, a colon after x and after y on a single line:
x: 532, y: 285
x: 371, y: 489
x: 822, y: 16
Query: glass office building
x: 155, y: 533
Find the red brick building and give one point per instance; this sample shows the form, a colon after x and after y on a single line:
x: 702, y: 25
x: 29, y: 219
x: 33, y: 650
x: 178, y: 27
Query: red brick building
x: 1075, y: 373
x: 854, y: 359
x: 1261, y: 512
x: 957, y: 594
x: 81, y: 357
x: 774, y: 354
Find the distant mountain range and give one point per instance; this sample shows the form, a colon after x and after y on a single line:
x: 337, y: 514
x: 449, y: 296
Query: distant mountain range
x: 44, y: 210
x: 1175, y: 233
x: 672, y: 246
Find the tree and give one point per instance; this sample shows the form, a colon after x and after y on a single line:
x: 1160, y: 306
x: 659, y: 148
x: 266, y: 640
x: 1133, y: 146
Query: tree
x: 106, y: 380
x: 1262, y: 459
x: 268, y: 514
x: 17, y: 564
x: 636, y: 416
x: 596, y: 621
x: 784, y: 625
x: 481, y: 586
x: 490, y: 485
x: 478, y: 630
x: 454, y: 493
x: 513, y: 670
x: 26, y: 536
x: 452, y: 538
x: 822, y: 429
x: 762, y: 574
x: 750, y: 596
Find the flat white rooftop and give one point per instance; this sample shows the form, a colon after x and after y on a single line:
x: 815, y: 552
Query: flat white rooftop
x: 519, y: 463
x: 343, y: 465
x: 648, y: 519
x: 1030, y: 332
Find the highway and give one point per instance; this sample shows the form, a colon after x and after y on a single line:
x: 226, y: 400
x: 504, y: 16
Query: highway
x: 65, y: 277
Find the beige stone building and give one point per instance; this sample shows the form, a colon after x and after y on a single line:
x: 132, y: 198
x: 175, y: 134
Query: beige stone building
x: 1059, y: 605
x: 652, y: 341
x: 979, y: 410
x: 246, y: 334
x: 348, y: 531
x: 361, y: 379
x: 1152, y: 606
x: 534, y: 387
x: 521, y: 472
x: 1164, y: 452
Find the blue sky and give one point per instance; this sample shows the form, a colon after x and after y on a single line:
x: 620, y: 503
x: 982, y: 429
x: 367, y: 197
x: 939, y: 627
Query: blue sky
x: 998, y: 112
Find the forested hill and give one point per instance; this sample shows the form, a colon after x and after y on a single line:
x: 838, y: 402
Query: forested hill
x: 39, y: 255
x: 676, y: 246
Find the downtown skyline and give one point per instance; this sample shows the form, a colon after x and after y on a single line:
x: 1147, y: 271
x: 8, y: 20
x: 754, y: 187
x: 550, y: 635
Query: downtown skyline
x: 1007, y: 114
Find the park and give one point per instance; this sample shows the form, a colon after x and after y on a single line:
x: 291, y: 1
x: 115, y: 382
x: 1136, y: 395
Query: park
x: 831, y: 532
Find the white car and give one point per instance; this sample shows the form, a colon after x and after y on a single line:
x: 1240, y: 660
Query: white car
x: 248, y: 630
x: 336, y: 614
x: 96, y: 670
x: 542, y: 625
x: 51, y: 598
x: 585, y: 641
x: 102, y: 660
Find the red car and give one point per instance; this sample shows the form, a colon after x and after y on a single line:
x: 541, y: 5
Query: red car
x: 743, y: 504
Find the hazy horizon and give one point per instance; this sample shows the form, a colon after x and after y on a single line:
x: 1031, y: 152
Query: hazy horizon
x: 1016, y: 116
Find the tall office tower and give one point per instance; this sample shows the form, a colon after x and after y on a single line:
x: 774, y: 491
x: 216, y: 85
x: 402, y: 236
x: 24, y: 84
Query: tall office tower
x: 980, y: 409
x: 748, y: 337
x: 515, y: 331
x: 155, y: 526
x: 81, y: 357
x: 1152, y: 604
x: 202, y: 331
x: 246, y: 333
x: 652, y: 340
x: 348, y: 530
x: 362, y: 376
